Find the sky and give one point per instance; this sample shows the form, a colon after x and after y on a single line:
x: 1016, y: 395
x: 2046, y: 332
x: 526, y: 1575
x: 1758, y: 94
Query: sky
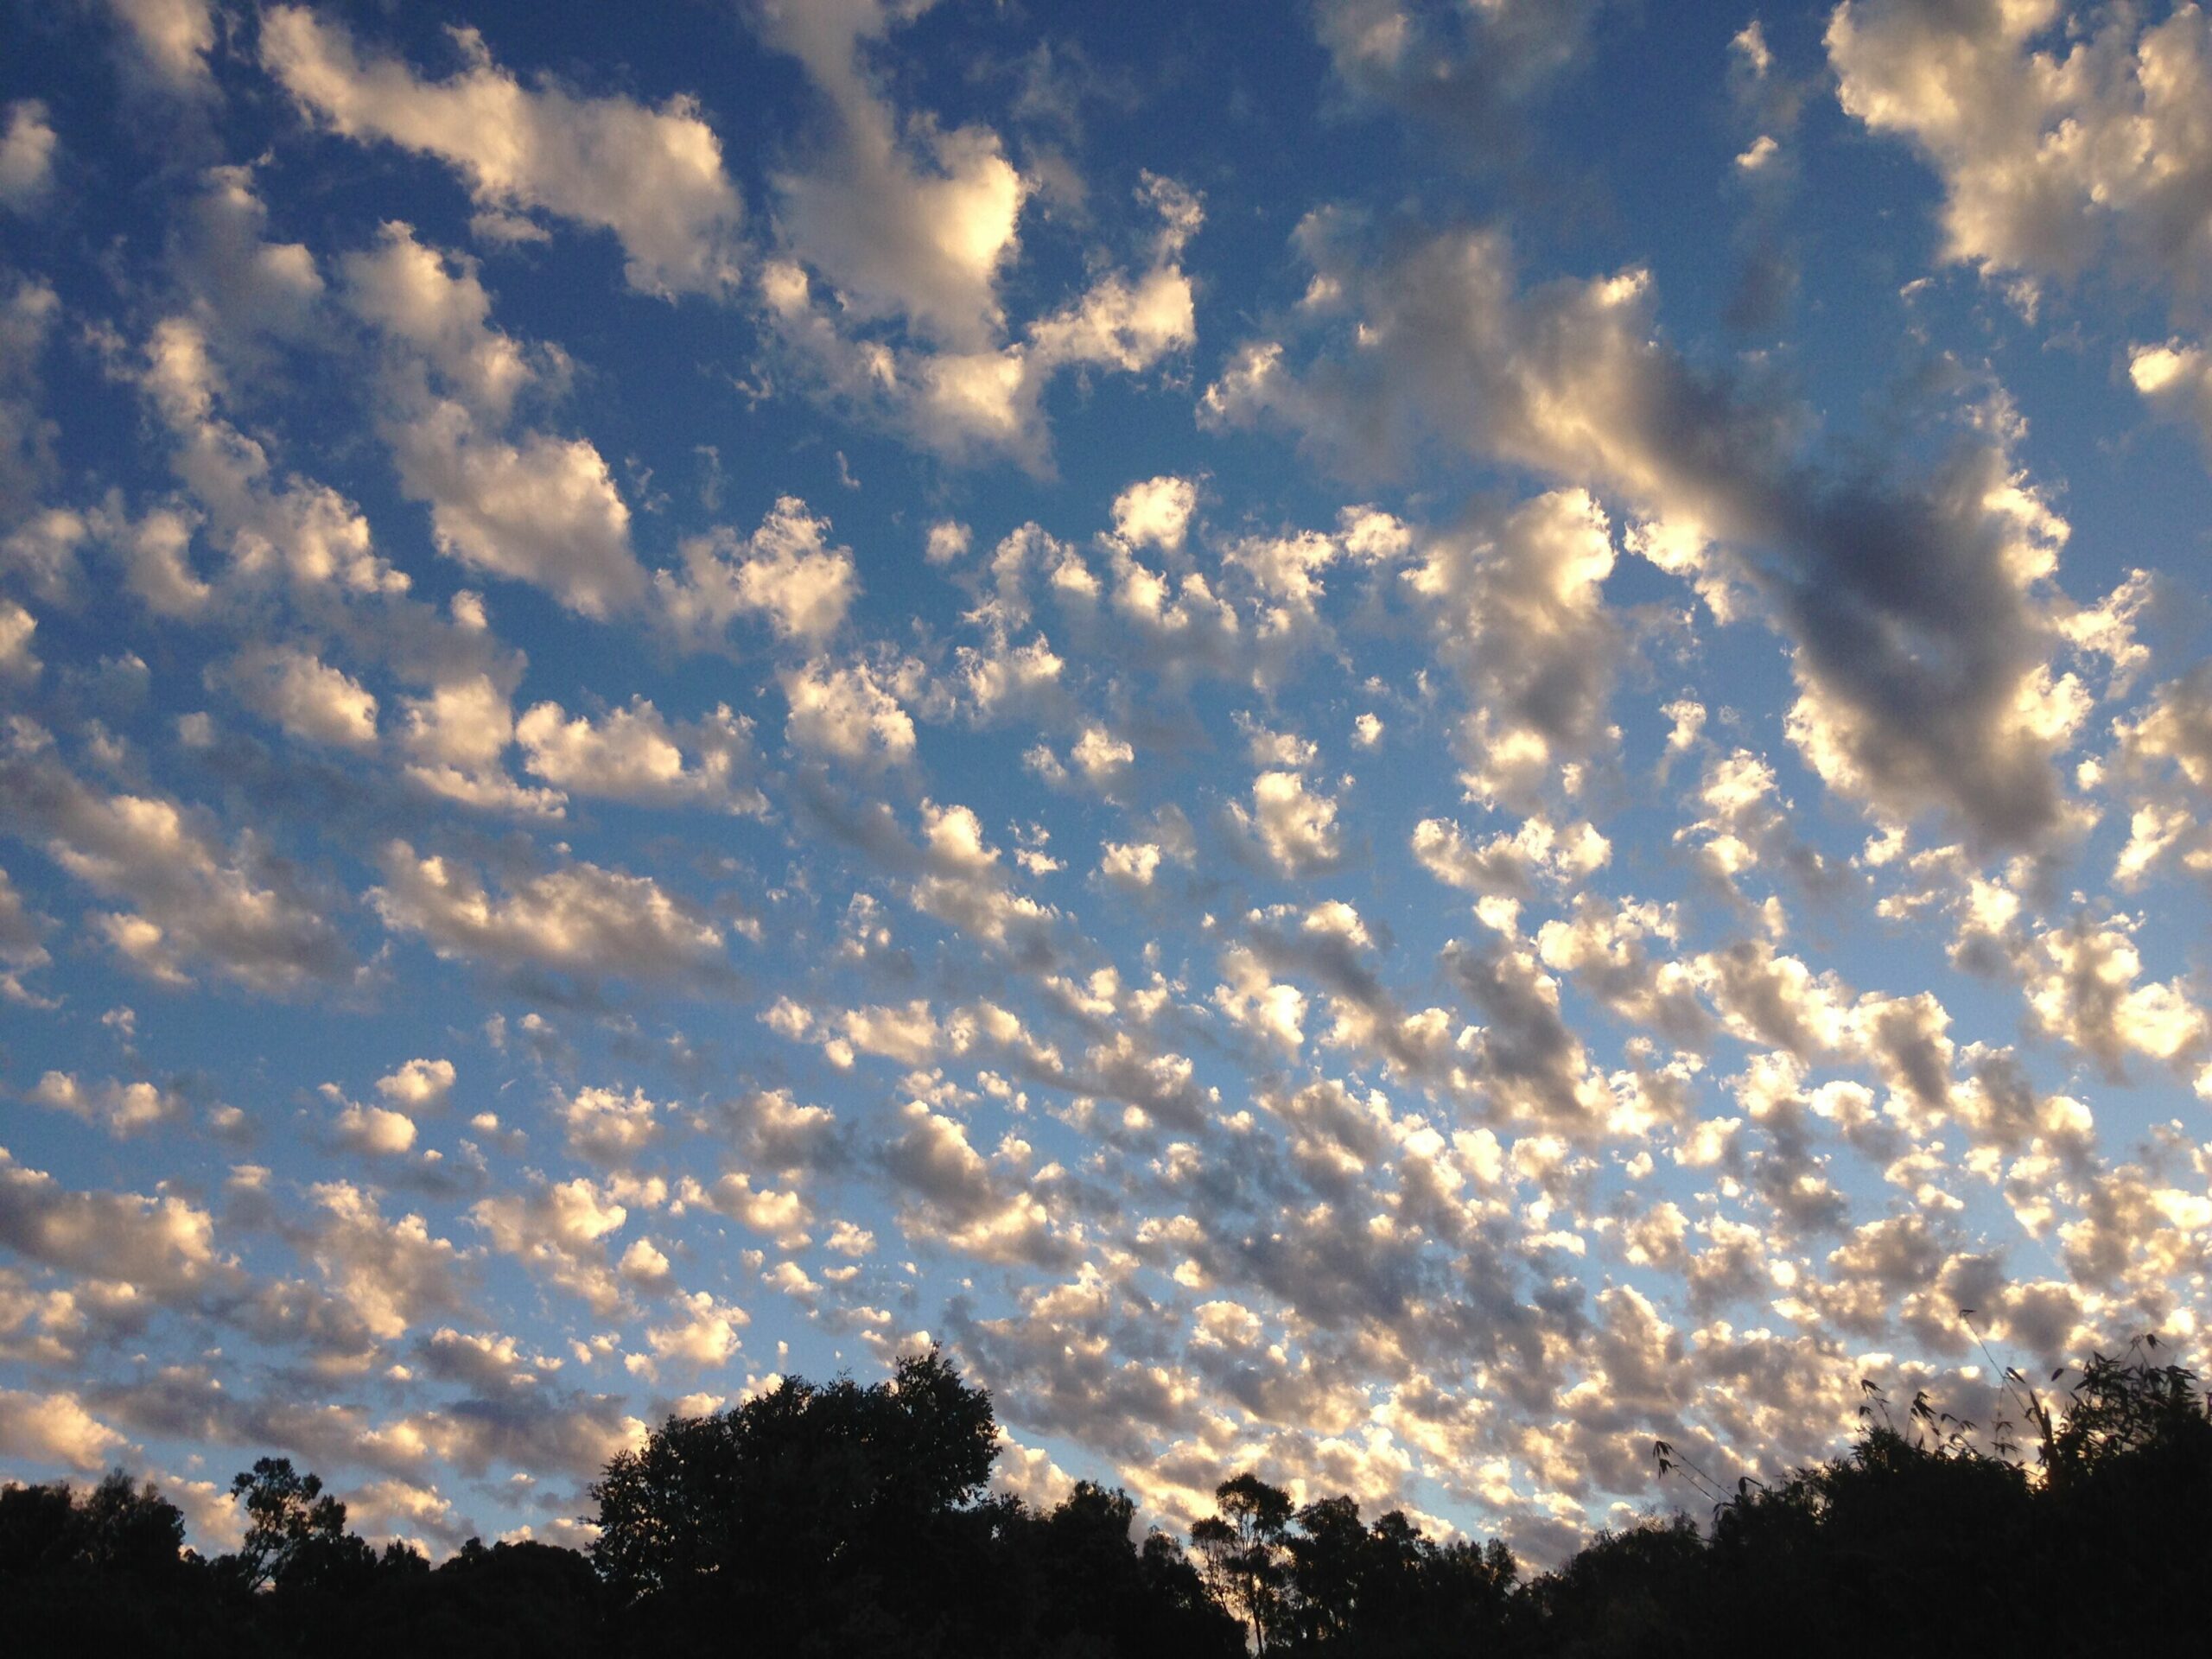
x: 1396, y: 741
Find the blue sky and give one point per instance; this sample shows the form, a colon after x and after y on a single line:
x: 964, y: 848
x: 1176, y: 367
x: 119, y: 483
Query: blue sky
x: 1399, y: 743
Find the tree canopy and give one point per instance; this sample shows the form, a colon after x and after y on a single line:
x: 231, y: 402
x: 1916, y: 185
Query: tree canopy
x: 851, y: 1519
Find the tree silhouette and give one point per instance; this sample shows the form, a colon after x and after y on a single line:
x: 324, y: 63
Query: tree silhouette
x: 1245, y: 1551
x: 295, y: 1535
x: 848, y: 1520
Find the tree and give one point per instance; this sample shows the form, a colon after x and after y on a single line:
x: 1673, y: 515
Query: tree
x: 819, y: 1510
x: 295, y: 1535
x: 1244, y: 1547
x: 118, y: 1527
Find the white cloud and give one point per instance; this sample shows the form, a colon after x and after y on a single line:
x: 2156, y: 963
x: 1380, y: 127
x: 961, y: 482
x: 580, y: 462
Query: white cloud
x: 2047, y: 141
x: 579, y: 918
x: 786, y: 573
x: 1156, y: 512
x: 847, y: 713
x: 122, y: 1109
x: 914, y: 224
x: 18, y: 660
x: 543, y: 510
x: 171, y: 39
x: 27, y: 149
x: 1569, y: 379
x: 54, y: 1428
x: 191, y: 899
x: 419, y: 1086
x: 404, y: 290
x: 1294, y: 826
x: 305, y: 696
x: 653, y: 177
x: 634, y: 754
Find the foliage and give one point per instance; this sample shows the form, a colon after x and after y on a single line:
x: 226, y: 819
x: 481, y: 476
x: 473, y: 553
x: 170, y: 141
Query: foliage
x: 847, y: 1520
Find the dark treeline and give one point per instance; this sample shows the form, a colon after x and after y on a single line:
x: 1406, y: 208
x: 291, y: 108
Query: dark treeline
x: 847, y: 1520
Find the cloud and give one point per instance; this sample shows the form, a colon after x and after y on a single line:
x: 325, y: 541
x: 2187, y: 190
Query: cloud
x: 2176, y: 379
x: 654, y: 177
x: 1922, y: 610
x: 54, y: 1428
x: 634, y: 754
x: 458, y: 736
x: 162, y: 1247
x: 171, y: 40
x: 27, y: 316
x: 122, y: 1109
x: 303, y: 694
x: 27, y: 149
x: 578, y: 919
x: 405, y: 291
x: 786, y: 573
x: 391, y: 1274
x: 190, y: 899
x: 846, y: 713
x: 558, y: 1232
x: 418, y: 1087
x: 986, y: 399
x: 1461, y: 67
x: 2163, y: 765
x: 1293, y: 827
x: 916, y: 224
x: 297, y: 528
x: 22, y: 936
x: 543, y: 510
x: 1518, y: 610
x: 2047, y: 142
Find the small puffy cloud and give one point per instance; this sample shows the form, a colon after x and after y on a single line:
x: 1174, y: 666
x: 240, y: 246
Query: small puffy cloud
x: 375, y: 1130
x: 268, y: 526
x: 1510, y: 863
x: 391, y: 1273
x: 190, y: 898
x: 163, y: 1246
x: 846, y: 713
x: 703, y: 1334
x: 27, y: 146
x: 1518, y: 610
x: 913, y: 225
x: 1463, y: 71
x: 654, y: 177
x: 543, y: 510
x: 22, y: 941
x: 579, y: 918
x: 786, y: 573
x: 54, y: 1428
x: 17, y: 625
x: 2047, y: 142
x: 560, y: 1233
x: 1293, y: 826
x: 1252, y: 1000
x: 2083, y: 988
x: 170, y: 41
x: 421, y: 1086
x: 2175, y: 380
x: 607, y: 1128
x: 1571, y: 379
x: 1156, y: 512
x: 122, y: 1109
x: 635, y: 754
x: 406, y: 291
x: 457, y: 737
x: 304, y: 696
x: 1130, y: 863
